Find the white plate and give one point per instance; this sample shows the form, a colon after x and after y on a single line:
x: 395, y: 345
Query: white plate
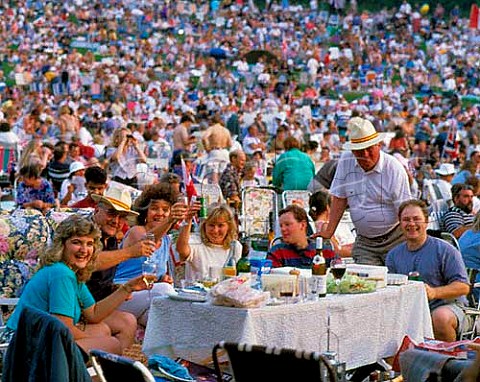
x: 188, y: 297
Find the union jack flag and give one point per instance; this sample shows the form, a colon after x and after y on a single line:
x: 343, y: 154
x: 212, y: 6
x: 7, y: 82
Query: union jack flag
x: 450, y: 148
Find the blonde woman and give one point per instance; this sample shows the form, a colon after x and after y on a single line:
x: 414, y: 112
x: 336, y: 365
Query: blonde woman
x: 35, y: 153
x: 59, y: 288
x: 209, y: 248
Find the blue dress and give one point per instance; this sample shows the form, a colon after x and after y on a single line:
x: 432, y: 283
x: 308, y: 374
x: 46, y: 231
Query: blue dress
x: 131, y: 268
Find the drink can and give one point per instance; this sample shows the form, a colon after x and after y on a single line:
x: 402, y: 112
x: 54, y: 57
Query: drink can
x: 203, y: 208
x: 414, y: 276
x: 150, y: 236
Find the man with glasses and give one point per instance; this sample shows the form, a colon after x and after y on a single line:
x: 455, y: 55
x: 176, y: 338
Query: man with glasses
x: 459, y: 217
x: 440, y: 267
x: 112, y: 211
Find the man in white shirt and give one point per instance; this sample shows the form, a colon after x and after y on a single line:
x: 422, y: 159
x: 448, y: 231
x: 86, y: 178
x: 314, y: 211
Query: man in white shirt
x: 373, y: 184
x: 446, y: 172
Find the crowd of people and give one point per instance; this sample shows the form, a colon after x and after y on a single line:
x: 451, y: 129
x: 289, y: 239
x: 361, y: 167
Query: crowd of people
x: 371, y: 112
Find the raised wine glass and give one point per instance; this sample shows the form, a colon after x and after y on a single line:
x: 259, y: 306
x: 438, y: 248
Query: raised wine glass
x: 149, y: 271
x: 338, y: 269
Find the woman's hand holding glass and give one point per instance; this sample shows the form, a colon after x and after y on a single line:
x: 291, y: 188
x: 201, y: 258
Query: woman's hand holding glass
x: 143, y: 282
x: 149, y: 272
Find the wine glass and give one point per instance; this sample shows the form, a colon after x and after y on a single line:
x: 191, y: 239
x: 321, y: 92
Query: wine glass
x: 338, y: 269
x: 287, y: 290
x: 149, y: 271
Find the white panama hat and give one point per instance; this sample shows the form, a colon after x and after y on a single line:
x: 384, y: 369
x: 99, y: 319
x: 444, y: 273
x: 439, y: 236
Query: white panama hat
x: 362, y: 134
x: 445, y: 169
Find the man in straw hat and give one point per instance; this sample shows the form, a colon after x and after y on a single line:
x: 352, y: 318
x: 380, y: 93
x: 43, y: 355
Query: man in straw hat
x: 112, y: 211
x: 373, y: 184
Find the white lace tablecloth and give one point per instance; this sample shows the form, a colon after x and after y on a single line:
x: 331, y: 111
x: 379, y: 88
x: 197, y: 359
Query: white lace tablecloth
x: 368, y: 326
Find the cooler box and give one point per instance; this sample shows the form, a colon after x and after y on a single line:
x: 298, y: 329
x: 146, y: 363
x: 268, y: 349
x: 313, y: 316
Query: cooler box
x: 370, y: 272
x: 260, y: 266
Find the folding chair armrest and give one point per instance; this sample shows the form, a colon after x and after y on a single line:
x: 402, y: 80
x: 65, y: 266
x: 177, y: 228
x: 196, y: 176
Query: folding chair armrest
x: 9, y: 301
x: 471, y: 311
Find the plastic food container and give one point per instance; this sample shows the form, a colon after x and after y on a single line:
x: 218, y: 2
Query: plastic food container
x: 396, y: 279
x: 370, y: 272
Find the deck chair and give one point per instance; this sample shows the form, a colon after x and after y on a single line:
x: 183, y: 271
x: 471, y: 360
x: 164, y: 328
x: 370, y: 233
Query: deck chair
x: 8, y: 158
x: 211, y: 192
x: 113, y: 368
x: 447, y: 236
x: 299, y: 197
x: 473, y: 309
x: 252, y: 363
x: 43, y: 350
x: 257, y: 203
x: 5, y: 303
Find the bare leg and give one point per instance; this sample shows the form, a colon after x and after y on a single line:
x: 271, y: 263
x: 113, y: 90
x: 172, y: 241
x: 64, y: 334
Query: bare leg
x: 444, y: 324
x: 99, y: 337
x: 123, y: 326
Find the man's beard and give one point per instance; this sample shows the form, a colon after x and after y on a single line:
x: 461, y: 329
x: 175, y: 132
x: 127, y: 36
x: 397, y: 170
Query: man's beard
x: 468, y: 208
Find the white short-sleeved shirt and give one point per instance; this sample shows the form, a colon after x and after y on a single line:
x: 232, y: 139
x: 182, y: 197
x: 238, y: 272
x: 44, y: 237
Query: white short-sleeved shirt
x: 373, y: 196
x: 202, y: 257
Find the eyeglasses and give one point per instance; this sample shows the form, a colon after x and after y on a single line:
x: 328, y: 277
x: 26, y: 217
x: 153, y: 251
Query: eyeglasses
x: 414, y: 219
x: 112, y: 213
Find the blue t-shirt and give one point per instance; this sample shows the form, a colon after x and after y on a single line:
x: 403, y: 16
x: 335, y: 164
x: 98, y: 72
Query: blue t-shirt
x: 470, y: 248
x: 54, y: 289
x: 131, y: 268
x: 437, y: 261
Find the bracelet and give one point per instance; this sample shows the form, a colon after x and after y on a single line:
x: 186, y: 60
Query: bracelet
x: 127, y: 288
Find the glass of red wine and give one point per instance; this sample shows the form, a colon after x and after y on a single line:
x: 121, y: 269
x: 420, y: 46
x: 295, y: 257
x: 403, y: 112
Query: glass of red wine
x: 338, y: 267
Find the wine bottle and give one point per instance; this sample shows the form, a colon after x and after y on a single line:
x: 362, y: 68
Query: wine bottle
x: 327, y: 251
x: 230, y: 267
x: 319, y: 269
x: 243, y: 264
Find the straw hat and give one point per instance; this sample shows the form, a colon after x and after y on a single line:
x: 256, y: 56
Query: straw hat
x: 118, y: 198
x: 445, y: 169
x: 362, y: 134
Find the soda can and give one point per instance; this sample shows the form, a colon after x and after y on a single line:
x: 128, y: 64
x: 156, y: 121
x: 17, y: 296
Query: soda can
x: 203, y: 208
x: 415, y: 276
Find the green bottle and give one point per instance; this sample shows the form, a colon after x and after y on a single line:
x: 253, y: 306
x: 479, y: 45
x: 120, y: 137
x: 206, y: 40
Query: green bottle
x: 243, y: 264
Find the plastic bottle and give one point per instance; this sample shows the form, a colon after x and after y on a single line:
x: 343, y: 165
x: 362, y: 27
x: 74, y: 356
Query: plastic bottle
x: 319, y: 269
x: 230, y: 267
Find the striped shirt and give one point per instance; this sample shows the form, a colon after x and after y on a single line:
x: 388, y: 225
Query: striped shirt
x: 289, y: 255
x: 455, y: 218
